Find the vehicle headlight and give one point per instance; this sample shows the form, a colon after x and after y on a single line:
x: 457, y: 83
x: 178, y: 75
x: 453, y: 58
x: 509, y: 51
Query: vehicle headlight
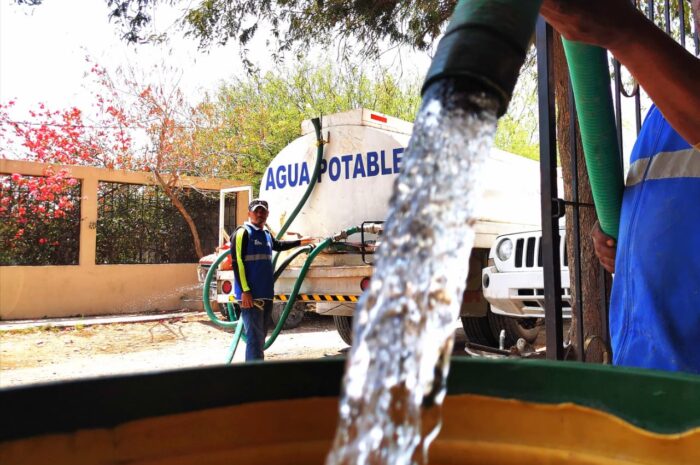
x: 504, y: 250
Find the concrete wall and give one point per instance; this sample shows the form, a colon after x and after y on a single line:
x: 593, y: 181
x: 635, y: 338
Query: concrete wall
x: 91, y: 289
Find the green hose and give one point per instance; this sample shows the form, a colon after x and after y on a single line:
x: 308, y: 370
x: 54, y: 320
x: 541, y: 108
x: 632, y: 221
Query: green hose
x: 484, y: 46
x: 236, y: 339
x: 312, y: 183
x: 588, y: 67
x: 295, y: 291
x: 205, y: 293
x: 238, y: 324
x: 302, y: 274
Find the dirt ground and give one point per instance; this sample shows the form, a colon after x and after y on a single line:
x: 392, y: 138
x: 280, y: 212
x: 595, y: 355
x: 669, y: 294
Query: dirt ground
x: 49, y: 353
x: 54, y: 353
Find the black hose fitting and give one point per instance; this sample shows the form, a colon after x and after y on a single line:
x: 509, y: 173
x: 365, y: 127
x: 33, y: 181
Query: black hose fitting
x: 485, y: 45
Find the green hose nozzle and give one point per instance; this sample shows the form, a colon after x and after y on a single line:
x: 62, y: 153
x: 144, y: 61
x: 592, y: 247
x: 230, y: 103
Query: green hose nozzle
x: 485, y: 45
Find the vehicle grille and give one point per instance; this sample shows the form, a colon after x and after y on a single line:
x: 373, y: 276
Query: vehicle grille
x: 528, y: 253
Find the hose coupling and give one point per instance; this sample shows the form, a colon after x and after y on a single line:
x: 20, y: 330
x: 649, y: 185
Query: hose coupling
x: 373, y: 228
x: 341, y: 236
x: 484, y: 46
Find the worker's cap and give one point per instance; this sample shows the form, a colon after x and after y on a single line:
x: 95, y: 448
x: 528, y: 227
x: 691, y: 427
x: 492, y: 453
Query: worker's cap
x: 257, y: 203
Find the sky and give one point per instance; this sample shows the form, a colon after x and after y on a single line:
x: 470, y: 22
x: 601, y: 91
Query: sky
x: 43, y: 50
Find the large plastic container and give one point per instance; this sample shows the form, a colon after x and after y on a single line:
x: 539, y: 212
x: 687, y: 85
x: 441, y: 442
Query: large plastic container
x: 497, y: 412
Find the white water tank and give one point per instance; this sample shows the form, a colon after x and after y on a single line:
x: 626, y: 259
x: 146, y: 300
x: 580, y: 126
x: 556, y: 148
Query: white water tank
x: 361, y: 162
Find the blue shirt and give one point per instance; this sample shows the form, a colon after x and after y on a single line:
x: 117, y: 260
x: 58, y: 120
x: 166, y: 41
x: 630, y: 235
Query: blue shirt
x: 251, y: 253
x: 655, y: 301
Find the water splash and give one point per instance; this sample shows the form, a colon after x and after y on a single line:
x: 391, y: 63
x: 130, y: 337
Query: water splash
x: 403, y: 329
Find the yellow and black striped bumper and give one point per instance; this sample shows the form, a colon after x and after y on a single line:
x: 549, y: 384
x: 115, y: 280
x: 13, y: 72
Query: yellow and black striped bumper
x: 319, y: 298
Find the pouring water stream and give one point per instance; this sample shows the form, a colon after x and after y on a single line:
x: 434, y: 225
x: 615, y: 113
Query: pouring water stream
x: 403, y: 329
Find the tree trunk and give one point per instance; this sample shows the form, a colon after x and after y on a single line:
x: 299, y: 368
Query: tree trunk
x: 183, y: 211
x: 592, y: 279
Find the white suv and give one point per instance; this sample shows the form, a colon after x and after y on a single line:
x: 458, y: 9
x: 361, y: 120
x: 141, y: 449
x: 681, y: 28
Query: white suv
x: 513, y: 283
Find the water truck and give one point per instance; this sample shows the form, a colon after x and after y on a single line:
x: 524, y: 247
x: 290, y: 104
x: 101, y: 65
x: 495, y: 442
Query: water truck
x: 362, y: 156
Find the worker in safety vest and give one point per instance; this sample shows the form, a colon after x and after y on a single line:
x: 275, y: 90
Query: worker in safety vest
x: 251, y: 251
x: 655, y: 301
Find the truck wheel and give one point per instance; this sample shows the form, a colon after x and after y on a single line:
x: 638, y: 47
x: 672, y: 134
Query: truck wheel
x: 295, y: 317
x: 224, y: 312
x: 478, y: 330
x: 343, y: 324
x: 516, y: 328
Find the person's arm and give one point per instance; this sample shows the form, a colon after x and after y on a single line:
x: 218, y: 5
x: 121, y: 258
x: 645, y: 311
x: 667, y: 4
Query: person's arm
x: 281, y: 246
x: 238, y: 247
x: 666, y: 71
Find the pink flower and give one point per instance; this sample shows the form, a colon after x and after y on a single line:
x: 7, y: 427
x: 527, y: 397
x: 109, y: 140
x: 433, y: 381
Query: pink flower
x: 16, y: 177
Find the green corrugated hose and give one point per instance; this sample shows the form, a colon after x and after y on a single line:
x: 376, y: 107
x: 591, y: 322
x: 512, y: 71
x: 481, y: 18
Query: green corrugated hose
x: 312, y: 183
x: 297, y: 284
x: 206, y: 289
x: 236, y: 337
x: 590, y: 79
x: 290, y: 259
x: 484, y: 46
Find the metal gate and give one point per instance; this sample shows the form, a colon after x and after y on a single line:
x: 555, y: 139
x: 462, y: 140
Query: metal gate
x: 675, y: 18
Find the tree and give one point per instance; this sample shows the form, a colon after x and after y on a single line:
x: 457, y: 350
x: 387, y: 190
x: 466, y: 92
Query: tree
x: 171, y: 124
x: 137, y: 125
x: 296, y: 24
x: 57, y: 137
x: 518, y: 129
x: 124, y: 110
x: 39, y: 214
x: 251, y: 119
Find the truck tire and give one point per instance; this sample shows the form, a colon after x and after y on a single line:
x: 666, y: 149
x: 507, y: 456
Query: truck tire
x: 295, y: 317
x: 224, y: 311
x: 343, y: 324
x: 478, y: 330
x: 516, y: 328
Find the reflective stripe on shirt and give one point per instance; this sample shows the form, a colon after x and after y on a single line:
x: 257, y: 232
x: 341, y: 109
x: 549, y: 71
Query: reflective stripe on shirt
x: 665, y: 165
x: 239, y: 261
